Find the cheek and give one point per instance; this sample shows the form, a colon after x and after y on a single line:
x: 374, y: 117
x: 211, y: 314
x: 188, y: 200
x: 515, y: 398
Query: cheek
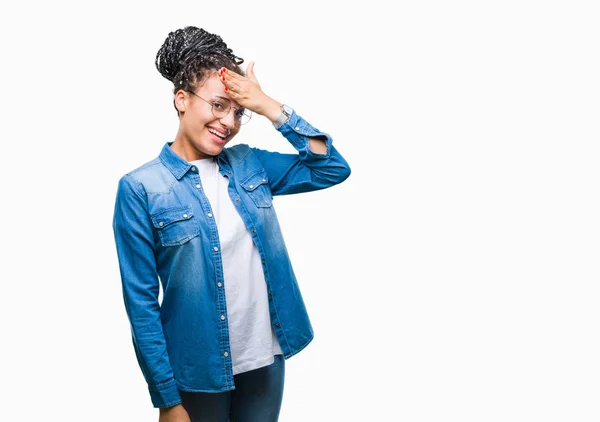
x: 235, y: 131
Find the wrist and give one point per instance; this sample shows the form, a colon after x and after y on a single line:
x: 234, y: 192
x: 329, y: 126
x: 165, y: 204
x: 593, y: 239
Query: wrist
x: 170, y: 408
x: 284, y: 116
x: 271, y: 109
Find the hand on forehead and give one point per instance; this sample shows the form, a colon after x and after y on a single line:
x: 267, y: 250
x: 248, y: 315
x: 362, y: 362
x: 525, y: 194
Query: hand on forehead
x: 216, y: 90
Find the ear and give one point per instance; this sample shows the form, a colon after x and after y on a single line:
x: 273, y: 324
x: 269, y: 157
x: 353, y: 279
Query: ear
x: 181, y: 99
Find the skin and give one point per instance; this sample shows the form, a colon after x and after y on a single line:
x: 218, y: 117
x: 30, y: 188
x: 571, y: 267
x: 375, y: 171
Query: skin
x: 195, y: 142
x: 175, y: 413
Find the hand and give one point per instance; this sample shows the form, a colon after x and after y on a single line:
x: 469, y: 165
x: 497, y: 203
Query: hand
x: 246, y: 91
x: 175, y: 413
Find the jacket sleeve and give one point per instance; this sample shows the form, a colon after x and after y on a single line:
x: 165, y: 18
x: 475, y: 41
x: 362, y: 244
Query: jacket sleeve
x: 305, y: 171
x: 135, y: 251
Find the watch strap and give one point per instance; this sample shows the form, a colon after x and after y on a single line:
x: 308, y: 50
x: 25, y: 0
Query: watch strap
x: 286, y: 112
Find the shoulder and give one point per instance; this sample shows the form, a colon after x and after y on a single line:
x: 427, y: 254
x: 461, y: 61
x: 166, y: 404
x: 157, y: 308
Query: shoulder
x: 244, y: 158
x: 150, y: 177
x: 237, y: 152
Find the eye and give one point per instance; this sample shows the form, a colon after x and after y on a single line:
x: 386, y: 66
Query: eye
x: 218, y: 106
x: 239, y: 113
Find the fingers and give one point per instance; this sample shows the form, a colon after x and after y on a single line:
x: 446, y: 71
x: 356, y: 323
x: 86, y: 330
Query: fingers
x: 250, y: 72
x: 230, y: 74
x: 228, y: 77
x: 250, y: 75
x: 241, y: 88
x: 228, y: 81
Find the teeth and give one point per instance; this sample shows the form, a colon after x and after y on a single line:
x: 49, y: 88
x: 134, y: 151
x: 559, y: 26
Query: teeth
x: 219, y: 134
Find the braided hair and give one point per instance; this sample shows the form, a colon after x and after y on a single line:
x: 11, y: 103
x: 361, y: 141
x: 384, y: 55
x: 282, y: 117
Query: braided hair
x: 188, y: 54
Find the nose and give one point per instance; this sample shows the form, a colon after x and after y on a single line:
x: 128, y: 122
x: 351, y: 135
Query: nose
x: 229, y: 119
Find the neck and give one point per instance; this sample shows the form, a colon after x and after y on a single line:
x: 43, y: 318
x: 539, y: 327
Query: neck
x: 183, y: 147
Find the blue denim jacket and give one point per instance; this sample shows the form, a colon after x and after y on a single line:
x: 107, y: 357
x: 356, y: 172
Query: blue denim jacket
x: 164, y: 232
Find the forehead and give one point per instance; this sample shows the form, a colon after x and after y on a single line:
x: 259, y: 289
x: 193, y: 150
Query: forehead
x: 213, y: 88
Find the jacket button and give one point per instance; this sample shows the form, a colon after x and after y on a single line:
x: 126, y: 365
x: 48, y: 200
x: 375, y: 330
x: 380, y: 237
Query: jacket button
x: 277, y: 325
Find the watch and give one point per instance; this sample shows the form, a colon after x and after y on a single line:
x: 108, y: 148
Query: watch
x: 286, y: 112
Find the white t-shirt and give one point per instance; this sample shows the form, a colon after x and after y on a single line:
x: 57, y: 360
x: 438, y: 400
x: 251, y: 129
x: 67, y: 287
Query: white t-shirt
x: 251, y: 336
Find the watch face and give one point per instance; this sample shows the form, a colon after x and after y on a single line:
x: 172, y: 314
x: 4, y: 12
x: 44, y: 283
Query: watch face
x: 286, y: 109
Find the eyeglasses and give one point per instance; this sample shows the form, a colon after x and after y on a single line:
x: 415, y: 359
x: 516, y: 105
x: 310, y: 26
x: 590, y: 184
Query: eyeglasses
x: 221, y: 109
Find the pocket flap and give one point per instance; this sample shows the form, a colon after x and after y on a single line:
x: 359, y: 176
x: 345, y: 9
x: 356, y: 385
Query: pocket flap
x: 166, y: 217
x: 255, y: 180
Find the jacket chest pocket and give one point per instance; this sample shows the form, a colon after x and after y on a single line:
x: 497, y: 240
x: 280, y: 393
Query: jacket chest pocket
x: 257, y: 188
x: 176, y: 226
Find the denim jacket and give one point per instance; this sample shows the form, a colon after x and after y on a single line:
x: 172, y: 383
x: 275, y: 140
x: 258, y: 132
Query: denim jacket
x: 164, y: 232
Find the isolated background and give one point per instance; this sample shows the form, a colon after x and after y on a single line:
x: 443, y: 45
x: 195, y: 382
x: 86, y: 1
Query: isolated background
x: 455, y: 275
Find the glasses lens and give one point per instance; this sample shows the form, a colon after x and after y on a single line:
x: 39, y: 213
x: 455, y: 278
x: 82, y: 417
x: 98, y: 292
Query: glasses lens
x: 245, y: 117
x: 219, y: 109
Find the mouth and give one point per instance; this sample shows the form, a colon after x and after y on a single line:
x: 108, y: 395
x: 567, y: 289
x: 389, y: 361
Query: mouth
x: 218, y: 135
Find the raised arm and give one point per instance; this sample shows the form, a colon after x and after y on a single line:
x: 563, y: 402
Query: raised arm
x: 317, y: 165
x: 307, y: 170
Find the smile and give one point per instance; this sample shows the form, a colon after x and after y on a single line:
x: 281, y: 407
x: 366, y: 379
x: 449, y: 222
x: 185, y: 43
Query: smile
x: 220, y: 134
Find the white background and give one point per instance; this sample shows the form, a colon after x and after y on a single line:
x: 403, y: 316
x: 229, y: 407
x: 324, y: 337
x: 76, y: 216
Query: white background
x: 454, y: 275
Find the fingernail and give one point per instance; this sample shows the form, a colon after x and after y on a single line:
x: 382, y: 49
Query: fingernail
x: 223, y: 78
x: 226, y: 89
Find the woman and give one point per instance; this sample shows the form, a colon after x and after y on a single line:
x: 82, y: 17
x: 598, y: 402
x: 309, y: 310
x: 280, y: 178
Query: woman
x: 200, y: 219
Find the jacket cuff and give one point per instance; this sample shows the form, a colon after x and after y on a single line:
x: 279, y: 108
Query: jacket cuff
x: 165, y: 395
x: 297, y: 131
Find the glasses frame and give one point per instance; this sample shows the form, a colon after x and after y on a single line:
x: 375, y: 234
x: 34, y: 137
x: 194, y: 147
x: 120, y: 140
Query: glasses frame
x: 212, y: 109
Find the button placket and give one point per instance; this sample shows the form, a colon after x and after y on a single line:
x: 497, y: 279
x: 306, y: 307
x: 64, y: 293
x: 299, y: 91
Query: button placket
x: 220, y: 293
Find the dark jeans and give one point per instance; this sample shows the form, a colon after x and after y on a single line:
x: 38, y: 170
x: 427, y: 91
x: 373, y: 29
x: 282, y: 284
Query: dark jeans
x: 256, y: 398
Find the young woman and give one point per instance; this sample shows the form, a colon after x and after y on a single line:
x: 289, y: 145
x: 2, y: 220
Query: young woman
x: 200, y: 220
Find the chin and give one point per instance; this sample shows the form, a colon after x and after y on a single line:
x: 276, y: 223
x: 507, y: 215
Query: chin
x: 210, y: 148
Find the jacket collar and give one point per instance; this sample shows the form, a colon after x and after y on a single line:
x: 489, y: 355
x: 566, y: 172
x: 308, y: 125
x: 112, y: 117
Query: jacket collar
x: 177, y: 165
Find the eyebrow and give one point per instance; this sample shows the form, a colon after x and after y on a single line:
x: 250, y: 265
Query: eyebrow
x: 228, y: 100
